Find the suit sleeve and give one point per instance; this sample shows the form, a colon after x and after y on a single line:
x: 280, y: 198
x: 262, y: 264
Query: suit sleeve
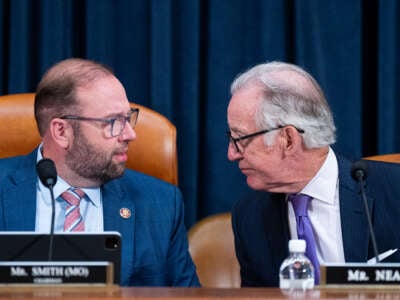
x: 183, y: 270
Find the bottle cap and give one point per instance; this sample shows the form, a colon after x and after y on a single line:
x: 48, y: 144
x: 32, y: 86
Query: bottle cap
x: 297, y: 246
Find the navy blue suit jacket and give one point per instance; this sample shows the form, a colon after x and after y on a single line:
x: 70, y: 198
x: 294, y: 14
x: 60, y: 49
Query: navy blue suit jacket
x: 154, y: 238
x: 261, y: 230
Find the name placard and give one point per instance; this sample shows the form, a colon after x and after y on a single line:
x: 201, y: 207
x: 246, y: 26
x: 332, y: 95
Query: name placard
x: 56, y: 273
x: 361, y: 274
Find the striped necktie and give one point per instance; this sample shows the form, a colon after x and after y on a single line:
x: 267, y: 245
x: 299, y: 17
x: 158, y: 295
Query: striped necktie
x: 73, y: 218
x: 304, y: 229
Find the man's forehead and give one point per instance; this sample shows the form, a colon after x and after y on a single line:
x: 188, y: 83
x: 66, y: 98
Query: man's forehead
x: 242, y: 108
x: 246, y: 98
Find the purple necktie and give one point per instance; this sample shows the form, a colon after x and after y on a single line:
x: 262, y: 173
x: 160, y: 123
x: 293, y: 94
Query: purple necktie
x: 304, y: 229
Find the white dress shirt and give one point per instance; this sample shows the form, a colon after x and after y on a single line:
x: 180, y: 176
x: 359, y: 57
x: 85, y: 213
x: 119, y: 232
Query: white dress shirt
x: 324, y: 212
x: 91, y: 207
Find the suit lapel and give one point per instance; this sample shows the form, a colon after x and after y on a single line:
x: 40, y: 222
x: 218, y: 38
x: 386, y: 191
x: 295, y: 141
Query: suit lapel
x: 119, y: 209
x: 354, y: 226
x: 277, y: 229
x: 119, y: 215
x: 19, y: 196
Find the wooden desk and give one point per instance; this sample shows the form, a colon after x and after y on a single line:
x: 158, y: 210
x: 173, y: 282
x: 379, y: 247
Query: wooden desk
x: 100, y: 293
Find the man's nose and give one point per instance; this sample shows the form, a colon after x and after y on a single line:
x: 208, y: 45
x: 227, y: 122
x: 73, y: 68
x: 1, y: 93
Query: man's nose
x: 233, y: 154
x: 128, y: 133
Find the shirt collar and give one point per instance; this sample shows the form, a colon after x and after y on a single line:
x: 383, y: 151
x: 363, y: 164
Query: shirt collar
x: 324, y: 184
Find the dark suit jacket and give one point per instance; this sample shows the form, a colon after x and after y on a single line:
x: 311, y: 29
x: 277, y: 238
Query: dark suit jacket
x: 154, y: 239
x: 261, y: 230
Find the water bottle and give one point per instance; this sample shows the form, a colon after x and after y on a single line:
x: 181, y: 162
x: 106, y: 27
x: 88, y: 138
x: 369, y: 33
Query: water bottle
x: 296, y: 273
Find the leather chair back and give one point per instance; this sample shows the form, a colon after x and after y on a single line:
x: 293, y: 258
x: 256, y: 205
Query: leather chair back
x: 153, y: 152
x: 211, y: 245
x: 392, y: 157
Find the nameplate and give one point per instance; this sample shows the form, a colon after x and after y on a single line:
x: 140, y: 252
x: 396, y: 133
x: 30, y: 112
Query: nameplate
x: 56, y: 273
x: 360, y: 274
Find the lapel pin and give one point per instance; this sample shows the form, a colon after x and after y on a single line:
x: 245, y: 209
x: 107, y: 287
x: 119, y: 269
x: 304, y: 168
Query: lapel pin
x: 125, y: 213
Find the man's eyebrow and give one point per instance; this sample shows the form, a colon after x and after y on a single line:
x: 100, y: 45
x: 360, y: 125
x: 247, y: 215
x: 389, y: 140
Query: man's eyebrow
x: 116, y: 115
x: 237, y: 131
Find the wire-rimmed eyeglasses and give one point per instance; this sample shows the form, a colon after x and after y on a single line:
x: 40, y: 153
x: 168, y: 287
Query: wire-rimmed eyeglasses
x: 239, y: 148
x: 117, y: 124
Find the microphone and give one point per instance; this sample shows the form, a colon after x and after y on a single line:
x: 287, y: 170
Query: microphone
x: 359, y: 172
x: 47, y: 172
x: 48, y: 176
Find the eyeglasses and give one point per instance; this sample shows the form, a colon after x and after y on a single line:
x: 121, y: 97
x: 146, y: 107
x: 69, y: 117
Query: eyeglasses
x: 117, y: 124
x: 239, y: 148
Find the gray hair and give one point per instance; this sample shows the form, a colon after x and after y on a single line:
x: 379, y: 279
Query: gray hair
x: 291, y: 96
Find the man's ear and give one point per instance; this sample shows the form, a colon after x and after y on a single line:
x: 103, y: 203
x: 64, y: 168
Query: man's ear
x: 292, y: 138
x: 61, y: 132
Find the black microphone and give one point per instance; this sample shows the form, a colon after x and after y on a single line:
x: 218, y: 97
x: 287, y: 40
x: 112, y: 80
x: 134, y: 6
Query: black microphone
x: 47, y: 172
x: 359, y: 172
x: 48, y: 176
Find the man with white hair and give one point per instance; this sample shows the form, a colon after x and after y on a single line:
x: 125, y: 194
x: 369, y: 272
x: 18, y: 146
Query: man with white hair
x: 280, y: 133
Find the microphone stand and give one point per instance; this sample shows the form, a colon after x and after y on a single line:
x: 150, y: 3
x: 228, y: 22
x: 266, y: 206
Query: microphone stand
x: 47, y: 173
x: 368, y: 215
x: 51, y: 238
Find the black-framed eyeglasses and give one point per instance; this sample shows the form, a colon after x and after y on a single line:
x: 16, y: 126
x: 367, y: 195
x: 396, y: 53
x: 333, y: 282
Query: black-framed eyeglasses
x: 117, y: 124
x: 239, y: 147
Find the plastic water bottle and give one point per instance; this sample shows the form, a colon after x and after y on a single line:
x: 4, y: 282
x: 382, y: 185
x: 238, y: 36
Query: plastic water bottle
x: 296, y: 273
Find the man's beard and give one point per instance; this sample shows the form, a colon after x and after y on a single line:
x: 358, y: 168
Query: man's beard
x: 91, y: 163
